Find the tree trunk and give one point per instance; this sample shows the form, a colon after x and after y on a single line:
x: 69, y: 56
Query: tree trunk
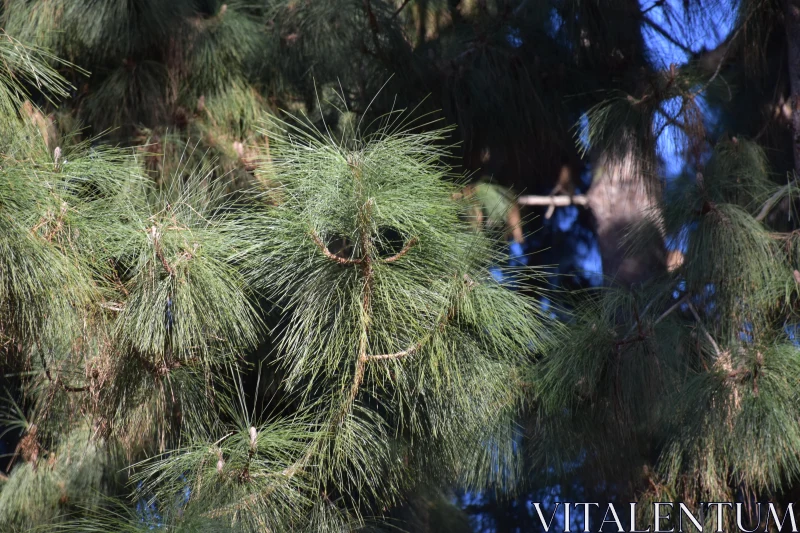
x: 622, y: 194
x: 792, y: 22
x: 624, y: 187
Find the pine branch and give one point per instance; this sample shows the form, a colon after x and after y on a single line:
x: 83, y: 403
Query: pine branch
x: 719, y: 55
x: 57, y: 380
x: 665, y: 34
x: 641, y: 336
x: 792, y: 24
x: 704, y: 330
x: 397, y: 355
x: 402, y: 252
x: 554, y: 201
x: 330, y: 255
x: 772, y: 200
x: 366, y: 304
x: 371, y: 308
x: 363, y: 357
x: 373, y: 25
x: 401, y: 8
x: 159, y: 252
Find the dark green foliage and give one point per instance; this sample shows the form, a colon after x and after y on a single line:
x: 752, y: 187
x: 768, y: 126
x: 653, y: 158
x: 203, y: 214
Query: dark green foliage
x: 296, y: 320
x: 688, y: 376
x: 135, y: 303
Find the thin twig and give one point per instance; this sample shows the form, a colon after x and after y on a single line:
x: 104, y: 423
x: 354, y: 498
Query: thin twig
x: 373, y: 25
x: 657, y: 3
x: 772, y: 200
x: 628, y: 339
x: 166, y: 367
x: 519, y: 8
x: 330, y: 255
x: 159, y: 253
x: 57, y: 380
x: 671, y: 309
x: 402, y: 252
x: 671, y: 121
x: 402, y: 7
x: 704, y: 330
x: 554, y: 201
x: 722, y: 59
x: 113, y: 306
x: 439, y: 326
x: 117, y: 280
x: 397, y: 355
x: 667, y: 35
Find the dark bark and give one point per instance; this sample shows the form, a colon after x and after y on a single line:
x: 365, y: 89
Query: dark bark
x: 792, y: 22
x: 624, y: 186
x: 623, y: 194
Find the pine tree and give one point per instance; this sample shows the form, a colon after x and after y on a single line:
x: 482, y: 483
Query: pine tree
x: 247, y: 298
x: 132, y: 307
x: 687, y: 375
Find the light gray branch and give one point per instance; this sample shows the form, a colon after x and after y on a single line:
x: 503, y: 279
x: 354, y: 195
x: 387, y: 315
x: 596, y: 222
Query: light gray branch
x: 554, y: 201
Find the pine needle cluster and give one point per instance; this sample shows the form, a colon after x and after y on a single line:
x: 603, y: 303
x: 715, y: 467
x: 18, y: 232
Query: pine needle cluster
x: 131, y: 305
x: 690, y: 375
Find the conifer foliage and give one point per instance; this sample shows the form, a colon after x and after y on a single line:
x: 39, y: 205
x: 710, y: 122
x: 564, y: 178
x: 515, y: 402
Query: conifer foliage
x: 130, y: 309
x: 690, y: 376
x: 240, y: 291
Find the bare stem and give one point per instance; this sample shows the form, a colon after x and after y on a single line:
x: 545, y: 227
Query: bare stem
x: 397, y: 355
x: 772, y: 200
x: 554, y: 201
x: 704, y: 330
x: 57, y: 380
x: 159, y: 253
x: 402, y: 252
x: 330, y: 255
x: 401, y: 8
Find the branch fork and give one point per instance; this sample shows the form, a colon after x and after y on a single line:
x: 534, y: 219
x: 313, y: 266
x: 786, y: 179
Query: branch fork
x: 350, y: 261
x: 155, y: 236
